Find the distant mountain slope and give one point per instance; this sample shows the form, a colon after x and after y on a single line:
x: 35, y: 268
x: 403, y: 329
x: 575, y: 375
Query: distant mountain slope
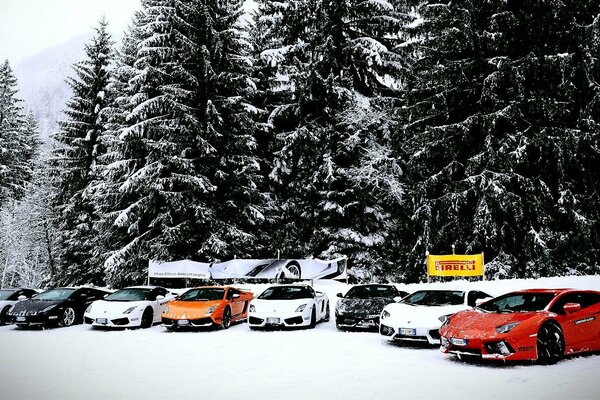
x: 42, y: 82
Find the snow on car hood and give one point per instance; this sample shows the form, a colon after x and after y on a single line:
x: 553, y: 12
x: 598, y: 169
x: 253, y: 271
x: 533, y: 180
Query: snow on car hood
x: 279, y: 306
x: 405, y: 315
x: 362, y: 306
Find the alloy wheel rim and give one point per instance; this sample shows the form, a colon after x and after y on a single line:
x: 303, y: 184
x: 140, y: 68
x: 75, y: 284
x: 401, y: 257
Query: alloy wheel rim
x: 69, y: 317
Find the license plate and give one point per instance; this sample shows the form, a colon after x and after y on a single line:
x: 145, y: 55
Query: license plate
x: 272, y: 320
x: 458, y: 342
x: 101, y: 321
x: 408, y: 331
x: 20, y: 319
x: 183, y: 322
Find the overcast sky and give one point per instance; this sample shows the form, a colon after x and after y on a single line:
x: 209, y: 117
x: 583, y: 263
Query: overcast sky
x: 30, y: 26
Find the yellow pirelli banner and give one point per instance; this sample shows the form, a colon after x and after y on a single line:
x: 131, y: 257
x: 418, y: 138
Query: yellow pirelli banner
x: 455, y: 265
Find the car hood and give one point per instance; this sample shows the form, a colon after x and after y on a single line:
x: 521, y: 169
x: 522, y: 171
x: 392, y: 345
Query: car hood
x: 405, y: 315
x: 362, y: 306
x: 190, y: 309
x: 279, y: 306
x: 114, y: 307
x: 476, y: 320
x: 35, y: 305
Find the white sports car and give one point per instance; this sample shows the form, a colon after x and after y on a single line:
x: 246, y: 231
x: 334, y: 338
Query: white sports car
x: 419, y: 316
x: 10, y: 297
x: 130, y: 307
x: 288, y: 306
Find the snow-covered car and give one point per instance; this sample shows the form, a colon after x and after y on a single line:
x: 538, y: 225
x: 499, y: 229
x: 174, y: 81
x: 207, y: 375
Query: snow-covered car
x: 10, y: 297
x: 419, y: 316
x: 135, y: 306
x: 288, y: 306
x: 361, y: 306
x: 60, y: 306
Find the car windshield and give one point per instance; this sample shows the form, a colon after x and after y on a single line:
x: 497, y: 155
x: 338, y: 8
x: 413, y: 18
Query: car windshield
x: 518, y: 302
x: 371, y: 291
x: 130, y: 294
x: 55, y: 294
x: 203, y: 294
x: 286, y: 293
x: 5, y: 294
x: 435, y: 298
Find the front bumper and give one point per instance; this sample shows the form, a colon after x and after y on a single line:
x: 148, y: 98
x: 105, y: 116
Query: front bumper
x: 187, y: 323
x: 261, y: 320
x: 30, y: 320
x: 357, y: 321
x: 116, y: 321
x: 428, y: 335
x: 498, y: 347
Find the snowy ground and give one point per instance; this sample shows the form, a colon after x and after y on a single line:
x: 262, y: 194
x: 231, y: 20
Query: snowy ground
x: 77, y: 363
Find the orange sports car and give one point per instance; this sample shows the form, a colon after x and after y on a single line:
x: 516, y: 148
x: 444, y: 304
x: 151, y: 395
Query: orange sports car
x: 207, y: 306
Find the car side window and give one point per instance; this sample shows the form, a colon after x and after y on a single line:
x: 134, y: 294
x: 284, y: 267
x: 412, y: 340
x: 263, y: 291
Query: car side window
x: 162, y: 291
x: 582, y: 298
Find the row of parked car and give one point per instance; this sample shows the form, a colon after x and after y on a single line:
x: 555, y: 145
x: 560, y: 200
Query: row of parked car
x: 535, y: 324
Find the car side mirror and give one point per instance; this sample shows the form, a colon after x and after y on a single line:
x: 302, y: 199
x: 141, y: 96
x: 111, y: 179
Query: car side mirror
x: 479, y: 302
x: 21, y: 298
x: 236, y: 296
x: 397, y: 299
x: 339, y: 295
x: 160, y: 297
x: 105, y: 295
x: 570, y: 308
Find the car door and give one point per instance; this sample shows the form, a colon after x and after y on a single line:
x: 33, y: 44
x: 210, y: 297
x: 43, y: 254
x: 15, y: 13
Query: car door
x: 235, y: 302
x: 580, y: 328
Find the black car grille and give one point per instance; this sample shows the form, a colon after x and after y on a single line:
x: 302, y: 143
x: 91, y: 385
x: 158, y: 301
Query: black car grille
x: 120, y: 321
x: 293, y: 321
x: 435, y: 334
x: 386, y: 330
x: 255, y: 321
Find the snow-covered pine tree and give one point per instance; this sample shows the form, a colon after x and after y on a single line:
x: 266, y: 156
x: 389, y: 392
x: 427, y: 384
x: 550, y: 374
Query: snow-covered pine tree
x: 183, y: 161
x: 18, y: 139
x: 74, y: 158
x: 490, y: 126
x: 331, y: 58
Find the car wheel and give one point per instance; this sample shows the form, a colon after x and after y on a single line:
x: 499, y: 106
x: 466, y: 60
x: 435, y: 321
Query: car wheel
x: 68, y: 317
x: 226, y: 319
x: 313, y: 318
x: 3, y: 316
x: 294, y: 269
x: 327, y: 316
x: 147, y: 318
x: 550, y: 343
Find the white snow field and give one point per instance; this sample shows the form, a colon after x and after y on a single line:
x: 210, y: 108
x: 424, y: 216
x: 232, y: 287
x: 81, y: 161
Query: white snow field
x: 81, y: 363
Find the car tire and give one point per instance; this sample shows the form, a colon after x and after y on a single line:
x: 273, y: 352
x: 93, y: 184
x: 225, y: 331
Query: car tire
x: 226, y: 319
x: 550, y: 343
x: 147, y: 318
x: 327, y: 315
x: 295, y: 270
x: 68, y: 317
x: 3, y: 316
x: 313, y: 318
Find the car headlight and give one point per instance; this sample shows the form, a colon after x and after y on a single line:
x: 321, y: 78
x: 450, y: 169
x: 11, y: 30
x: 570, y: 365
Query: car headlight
x: 507, y: 327
x: 89, y: 309
x: 252, y: 308
x: 301, y: 308
x: 385, y: 314
x: 210, y: 310
x: 129, y: 310
x: 48, y: 308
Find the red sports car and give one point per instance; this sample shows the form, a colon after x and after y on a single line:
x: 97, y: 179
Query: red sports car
x: 536, y: 324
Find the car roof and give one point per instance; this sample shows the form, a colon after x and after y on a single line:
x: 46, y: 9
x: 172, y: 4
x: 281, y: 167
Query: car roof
x: 141, y: 287
x: 554, y: 291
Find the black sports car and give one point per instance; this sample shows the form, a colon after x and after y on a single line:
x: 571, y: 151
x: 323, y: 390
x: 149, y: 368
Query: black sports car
x: 362, y: 305
x: 10, y: 297
x: 60, y: 306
